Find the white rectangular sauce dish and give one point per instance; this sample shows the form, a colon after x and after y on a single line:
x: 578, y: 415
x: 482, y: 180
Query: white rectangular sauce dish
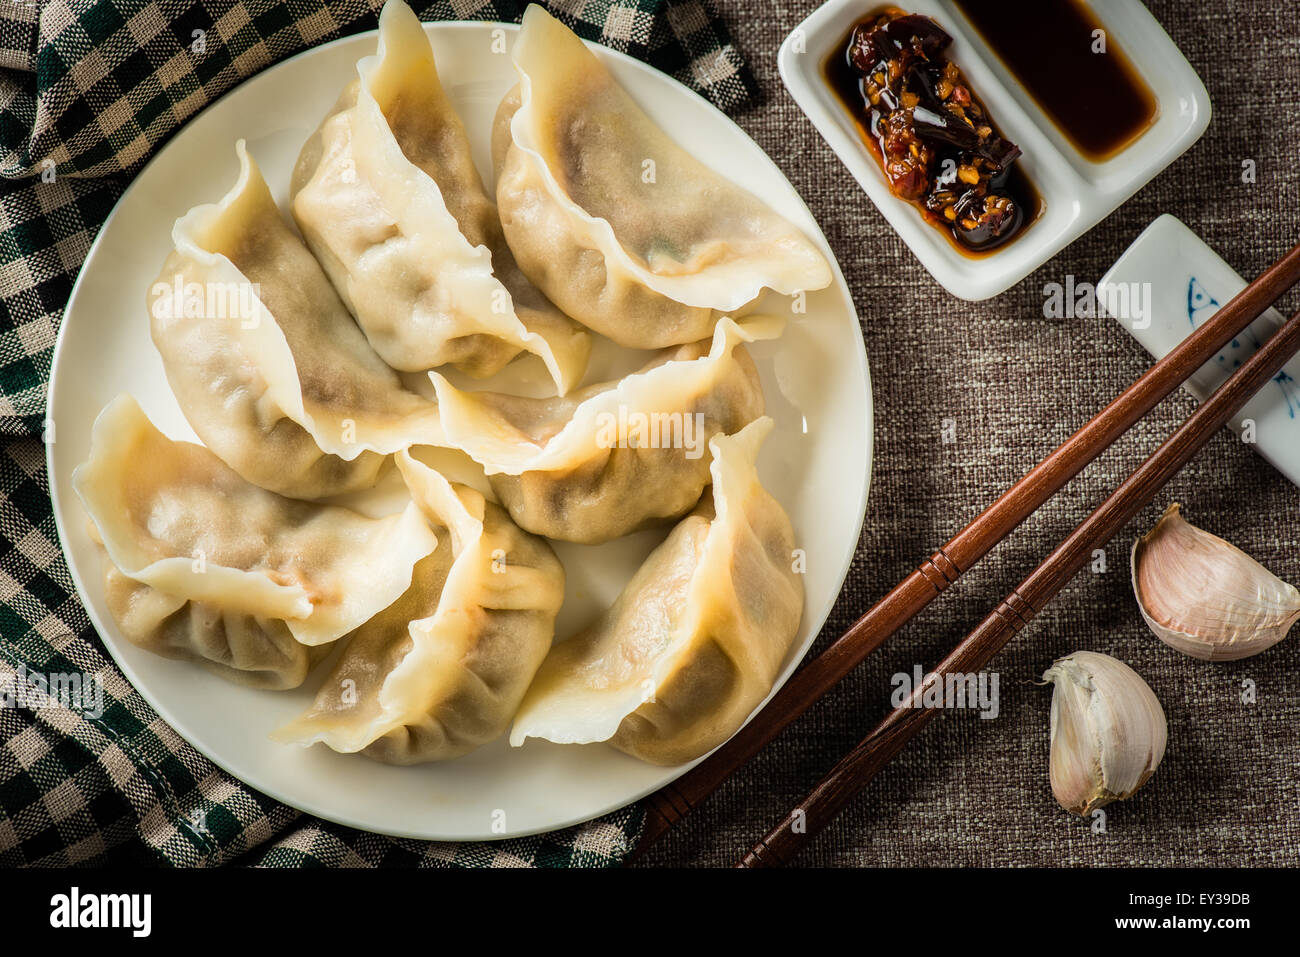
x: 1076, y: 192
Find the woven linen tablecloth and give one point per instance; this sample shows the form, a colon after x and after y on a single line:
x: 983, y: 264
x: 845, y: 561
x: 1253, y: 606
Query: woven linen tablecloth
x: 88, y: 90
x: 968, y: 791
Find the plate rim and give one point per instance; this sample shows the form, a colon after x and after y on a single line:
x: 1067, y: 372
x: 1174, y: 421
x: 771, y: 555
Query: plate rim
x: 312, y: 807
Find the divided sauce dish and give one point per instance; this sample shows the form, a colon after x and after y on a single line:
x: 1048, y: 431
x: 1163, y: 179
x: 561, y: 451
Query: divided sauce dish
x: 1076, y: 192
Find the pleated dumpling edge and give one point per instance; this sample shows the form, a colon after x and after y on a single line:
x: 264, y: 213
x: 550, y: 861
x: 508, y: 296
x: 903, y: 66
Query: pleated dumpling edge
x: 615, y: 222
x: 694, y: 642
x: 219, y: 558
x: 617, y: 456
x: 388, y: 198
x: 442, y: 671
x: 264, y: 359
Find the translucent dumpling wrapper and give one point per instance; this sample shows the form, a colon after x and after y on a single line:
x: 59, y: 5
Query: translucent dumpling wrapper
x: 695, y: 641
x: 207, y: 566
x: 442, y: 671
x: 387, y: 196
x: 622, y: 228
x: 249, y: 650
x: 266, y: 363
x: 619, y: 456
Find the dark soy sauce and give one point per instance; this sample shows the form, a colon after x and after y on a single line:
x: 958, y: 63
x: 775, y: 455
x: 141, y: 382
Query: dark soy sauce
x: 1097, y: 100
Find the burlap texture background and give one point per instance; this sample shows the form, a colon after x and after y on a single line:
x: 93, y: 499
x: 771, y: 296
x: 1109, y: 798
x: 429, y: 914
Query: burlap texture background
x: 972, y: 791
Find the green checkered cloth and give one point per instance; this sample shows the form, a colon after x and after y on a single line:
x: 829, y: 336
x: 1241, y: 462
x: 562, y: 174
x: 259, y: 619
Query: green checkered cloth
x: 89, y: 89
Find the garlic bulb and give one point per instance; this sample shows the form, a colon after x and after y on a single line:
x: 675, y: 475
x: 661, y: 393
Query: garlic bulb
x: 1206, y: 597
x: 1108, y: 731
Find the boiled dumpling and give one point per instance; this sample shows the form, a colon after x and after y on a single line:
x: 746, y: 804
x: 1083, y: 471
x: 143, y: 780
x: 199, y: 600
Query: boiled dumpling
x: 246, y: 649
x: 694, y: 642
x: 388, y: 198
x: 441, y: 671
x: 617, y: 224
x: 206, y: 566
x: 264, y: 360
x: 618, y: 456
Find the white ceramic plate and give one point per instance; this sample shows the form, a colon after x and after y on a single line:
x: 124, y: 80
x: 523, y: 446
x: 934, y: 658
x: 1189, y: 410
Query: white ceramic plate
x: 1077, y: 193
x: 817, y: 461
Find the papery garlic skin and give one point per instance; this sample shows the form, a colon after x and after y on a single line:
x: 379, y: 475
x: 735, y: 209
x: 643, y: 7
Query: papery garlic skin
x: 1205, y: 597
x: 1108, y: 731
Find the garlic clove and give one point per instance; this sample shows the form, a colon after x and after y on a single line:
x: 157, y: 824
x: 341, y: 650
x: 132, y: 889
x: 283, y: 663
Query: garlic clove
x: 1204, y: 596
x: 1108, y: 731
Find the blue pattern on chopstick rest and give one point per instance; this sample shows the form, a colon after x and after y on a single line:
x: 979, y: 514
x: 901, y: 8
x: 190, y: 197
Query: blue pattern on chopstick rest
x: 1200, y: 307
x: 1185, y: 282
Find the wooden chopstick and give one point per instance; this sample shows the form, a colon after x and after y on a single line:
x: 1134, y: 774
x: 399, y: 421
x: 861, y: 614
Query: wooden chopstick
x: 975, y: 651
x: 674, y: 801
